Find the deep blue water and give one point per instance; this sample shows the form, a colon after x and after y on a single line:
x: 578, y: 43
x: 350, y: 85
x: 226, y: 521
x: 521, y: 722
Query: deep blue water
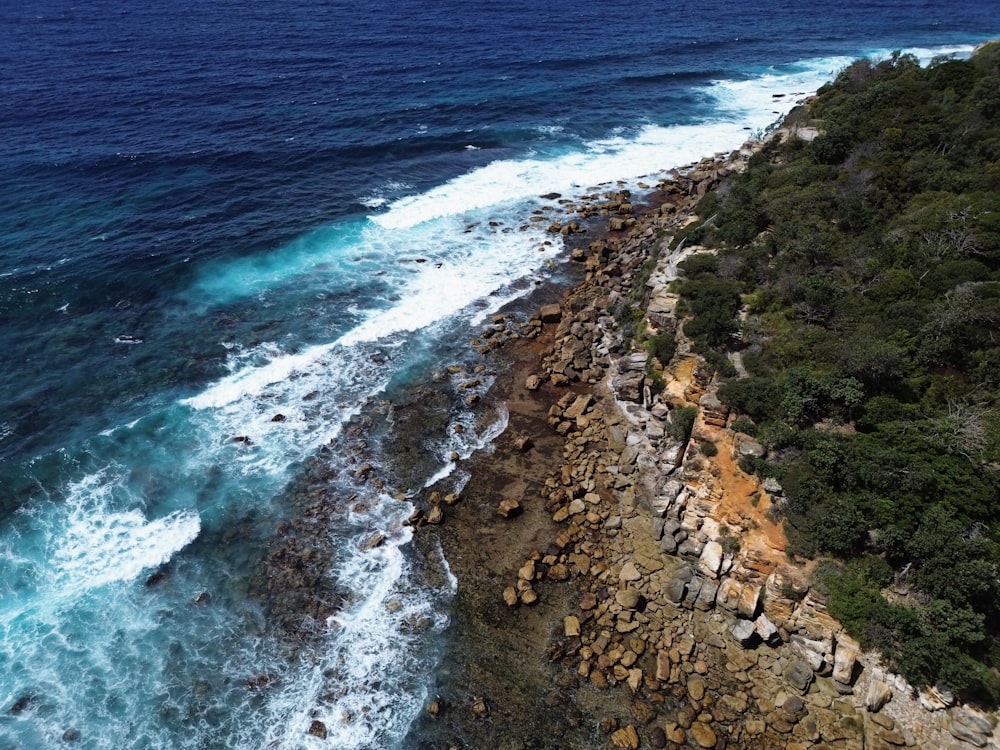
x: 213, y: 213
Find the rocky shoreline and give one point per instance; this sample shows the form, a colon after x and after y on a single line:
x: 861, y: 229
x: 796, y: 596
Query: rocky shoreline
x: 620, y: 583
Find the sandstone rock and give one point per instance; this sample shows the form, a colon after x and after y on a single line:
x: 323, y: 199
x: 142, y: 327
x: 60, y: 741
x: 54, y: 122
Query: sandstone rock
x: 435, y: 516
x: 533, y: 382
x: 675, y: 733
x: 578, y: 407
x: 630, y: 572
x: 550, y: 313
x: 879, y: 693
x: 628, y: 598
x: 374, y: 540
x: 970, y: 726
x: 706, y: 596
x: 527, y: 571
x: 509, y: 507
x: 936, y: 698
x: 749, y: 601
x: 811, y: 651
x: 696, y: 688
x: 626, y: 738
x: 634, y: 362
x: 749, y: 447
x: 318, y: 729
x: 713, y: 411
x: 510, y: 596
x: 729, y: 594
x: 529, y: 597
x: 571, y: 626
x: 799, y: 675
x: 745, y: 634
x: 558, y: 572
x: 663, y: 665
x: 634, y: 680
x: 668, y: 545
x: 480, y: 708
x: 703, y: 734
x: 845, y: 658
x: 766, y: 629
x: 711, y: 559
x: 523, y: 443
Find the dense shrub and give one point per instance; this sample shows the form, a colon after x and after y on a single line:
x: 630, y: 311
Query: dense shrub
x: 870, y: 260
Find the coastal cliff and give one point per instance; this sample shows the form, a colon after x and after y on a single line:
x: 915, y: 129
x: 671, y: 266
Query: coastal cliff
x: 617, y: 534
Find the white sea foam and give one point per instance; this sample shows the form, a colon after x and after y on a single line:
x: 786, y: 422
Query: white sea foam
x: 96, y: 543
x: 370, y: 684
x: 652, y: 150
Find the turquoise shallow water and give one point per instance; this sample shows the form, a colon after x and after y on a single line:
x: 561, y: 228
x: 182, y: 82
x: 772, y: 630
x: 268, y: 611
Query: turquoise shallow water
x: 229, y: 234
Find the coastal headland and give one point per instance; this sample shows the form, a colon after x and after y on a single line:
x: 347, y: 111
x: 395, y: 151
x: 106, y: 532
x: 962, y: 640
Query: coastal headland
x: 621, y: 582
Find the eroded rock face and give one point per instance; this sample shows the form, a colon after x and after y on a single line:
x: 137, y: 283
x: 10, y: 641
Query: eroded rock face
x: 669, y: 606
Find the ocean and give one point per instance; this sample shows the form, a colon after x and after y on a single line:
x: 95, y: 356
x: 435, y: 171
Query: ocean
x: 234, y: 235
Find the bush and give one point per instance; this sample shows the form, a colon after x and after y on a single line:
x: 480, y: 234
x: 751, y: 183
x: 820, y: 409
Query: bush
x: 708, y: 448
x: 682, y: 422
x: 662, y: 346
x: 744, y: 426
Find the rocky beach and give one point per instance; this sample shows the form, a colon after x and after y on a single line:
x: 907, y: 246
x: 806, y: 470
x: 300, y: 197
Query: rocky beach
x: 621, y: 581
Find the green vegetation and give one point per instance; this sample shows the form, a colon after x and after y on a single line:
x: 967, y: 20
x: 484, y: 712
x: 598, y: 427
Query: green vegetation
x: 869, y: 259
x: 682, y: 422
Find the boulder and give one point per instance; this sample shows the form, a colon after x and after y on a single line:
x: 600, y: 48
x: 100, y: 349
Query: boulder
x: 523, y: 443
x: 550, y: 313
x: 745, y: 634
x: 626, y: 738
x: 749, y: 601
x: 635, y: 362
x: 878, y: 694
x: 676, y: 587
x: 970, y: 726
x: 703, y: 734
x: 766, y: 629
x: 706, y: 597
x: 696, y: 688
x: 527, y: 571
x: 630, y: 572
x: 936, y: 698
x: 713, y: 411
x: 729, y: 594
x: 799, y: 675
x: 845, y: 658
x: 628, y: 598
x: 749, y: 447
x: 509, y: 507
x: 711, y: 559
x: 578, y: 407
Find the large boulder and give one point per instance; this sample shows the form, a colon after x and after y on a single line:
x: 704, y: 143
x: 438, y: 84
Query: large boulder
x: 879, y: 693
x: 745, y: 634
x: 711, y: 559
x: 677, y: 586
x: 550, y: 313
x: 799, y: 675
x: 969, y: 726
x: 845, y: 658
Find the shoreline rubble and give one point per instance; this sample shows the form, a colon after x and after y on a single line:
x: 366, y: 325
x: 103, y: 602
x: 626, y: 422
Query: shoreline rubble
x: 669, y: 585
